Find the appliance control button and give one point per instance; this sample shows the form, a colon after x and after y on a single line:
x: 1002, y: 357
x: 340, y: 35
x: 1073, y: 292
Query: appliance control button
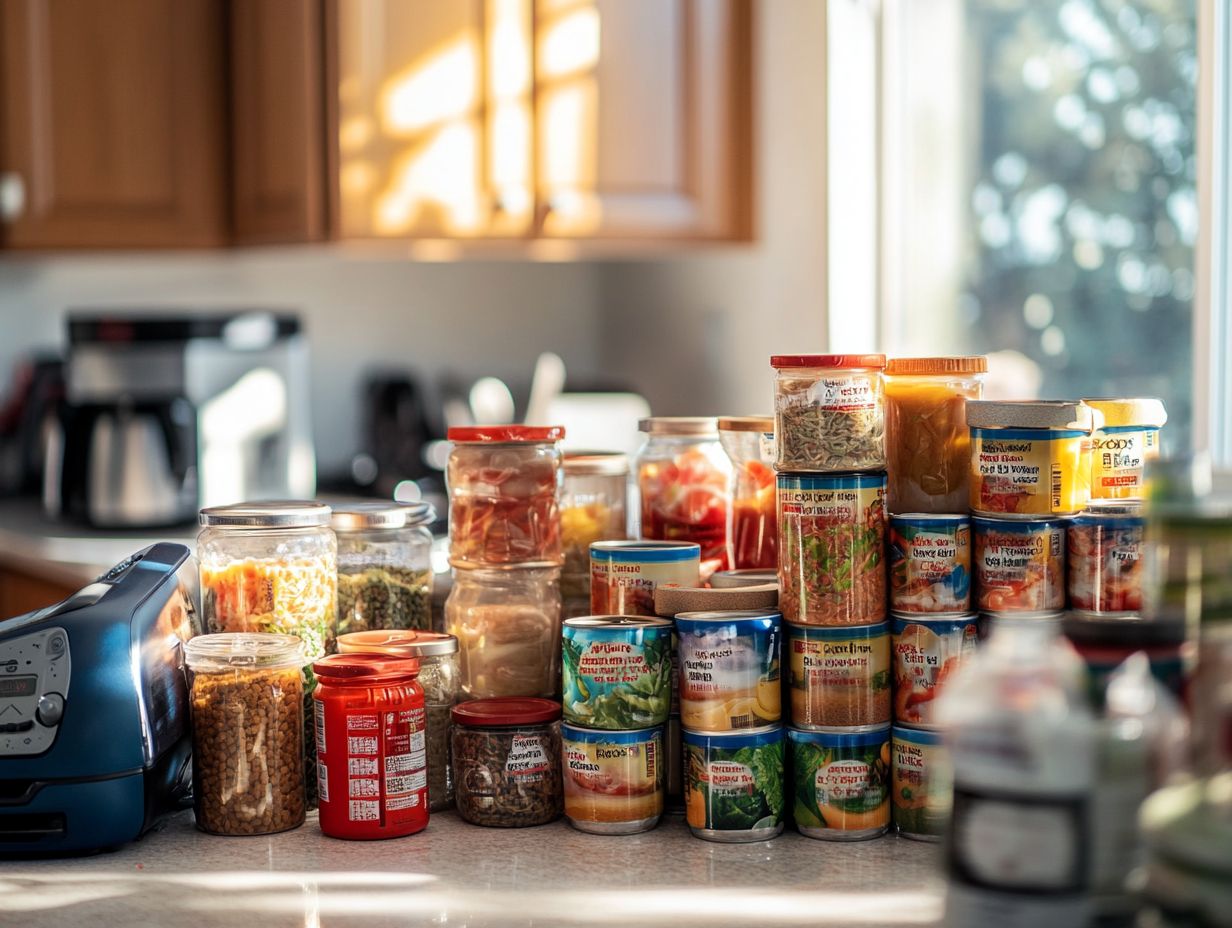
x: 56, y: 645
x: 17, y: 726
x: 50, y: 709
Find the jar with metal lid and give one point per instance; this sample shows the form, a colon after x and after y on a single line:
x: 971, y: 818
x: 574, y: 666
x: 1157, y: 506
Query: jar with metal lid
x: 270, y: 567
x: 682, y: 477
x: 829, y: 412
x: 506, y: 753
x: 371, y: 755
x: 592, y: 508
x: 752, y: 529
x: 440, y: 678
x: 1030, y: 458
x: 247, y: 699
x: 1122, y: 446
x: 507, y: 623
x: 384, y: 565
x: 504, y: 496
x: 928, y: 443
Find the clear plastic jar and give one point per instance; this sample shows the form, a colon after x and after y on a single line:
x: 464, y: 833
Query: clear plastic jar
x: 504, y: 496
x: 507, y: 623
x: 752, y: 529
x: 829, y: 412
x: 384, y: 565
x: 682, y: 476
x: 247, y: 700
x: 439, y: 675
x: 270, y: 567
x: 928, y: 443
x: 592, y: 508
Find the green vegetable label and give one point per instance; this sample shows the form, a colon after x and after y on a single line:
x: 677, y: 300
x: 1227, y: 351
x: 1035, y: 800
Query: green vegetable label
x: 616, y: 682
x: 734, y: 790
x: 843, y: 785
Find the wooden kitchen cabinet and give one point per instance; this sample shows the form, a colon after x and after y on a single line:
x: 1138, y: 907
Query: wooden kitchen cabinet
x: 21, y: 592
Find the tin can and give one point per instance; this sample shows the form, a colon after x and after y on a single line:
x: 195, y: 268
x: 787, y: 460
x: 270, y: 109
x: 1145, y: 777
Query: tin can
x: 839, y: 677
x: 674, y: 749
x: 832, y: 548
x: 927, y: 652
x: 1104, y: 553
x: 616, y: 671
x: 733, y: 784
x: 747, y: 576
x: 841, y: 782
x: 1019, y: 566
x: 624, y: 574
x: 614, y: 780
x: 1122, y: 446
x: 729, y: 670
x: 930, y: 563
x: 921, y: 784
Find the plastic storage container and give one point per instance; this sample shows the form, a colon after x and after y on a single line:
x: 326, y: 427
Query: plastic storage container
x: 270, y: 567
x: 752, y: 530
x: 247, y: 698
x: 829, y: 412
x: 682, y: 475
x: 928, y: 443
x: 592, y: 508
x: 507, y: 623
x: 384, y: 565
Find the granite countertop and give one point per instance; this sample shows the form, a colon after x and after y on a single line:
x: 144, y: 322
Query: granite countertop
x: 461, y: 875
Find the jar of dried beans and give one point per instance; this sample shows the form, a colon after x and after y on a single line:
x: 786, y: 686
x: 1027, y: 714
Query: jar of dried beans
x: 829, y: 412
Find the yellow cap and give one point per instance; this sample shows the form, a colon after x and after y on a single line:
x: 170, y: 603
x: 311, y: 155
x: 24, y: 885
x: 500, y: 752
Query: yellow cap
x: 1146, y: 412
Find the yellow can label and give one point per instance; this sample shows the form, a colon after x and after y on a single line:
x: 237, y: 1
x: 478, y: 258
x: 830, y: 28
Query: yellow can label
x: 1118, y: 461
x: 1030, y: 472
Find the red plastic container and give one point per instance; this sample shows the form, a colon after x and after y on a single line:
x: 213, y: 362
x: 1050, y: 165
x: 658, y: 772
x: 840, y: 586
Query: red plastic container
x: 372, y: 767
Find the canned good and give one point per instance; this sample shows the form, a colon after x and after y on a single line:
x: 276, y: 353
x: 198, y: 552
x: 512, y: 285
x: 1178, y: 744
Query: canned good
x: 613, y: 779
x: 839, y: 677
x: 1105, y: 641
x: 624, y: 574
x: 930, y: 563
x: 927, y: 652
x: 832, y: 548
x: 841, y: 782
x: 1104, y: 547
x: 1121, y: 447
x: 733, y: 784
x: 920, y: 791
x: 1030, y: 458
x: 616, y: 671
x: 729, y: 669
x: 752, y: 576
x: 1019, y: 566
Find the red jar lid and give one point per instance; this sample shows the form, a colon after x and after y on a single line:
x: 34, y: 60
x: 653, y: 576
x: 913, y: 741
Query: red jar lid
x: 835, y: 361
x: 366, y: 668
x: 505, y: 710
x: 506, y: 433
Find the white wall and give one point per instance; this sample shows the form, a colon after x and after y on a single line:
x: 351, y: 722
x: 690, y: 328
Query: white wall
x: 474, y: 317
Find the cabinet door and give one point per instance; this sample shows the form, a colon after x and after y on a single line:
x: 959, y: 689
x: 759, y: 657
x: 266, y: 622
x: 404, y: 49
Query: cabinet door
x: 112, y: 130
x: 278, y: 120
x: 643, y: 118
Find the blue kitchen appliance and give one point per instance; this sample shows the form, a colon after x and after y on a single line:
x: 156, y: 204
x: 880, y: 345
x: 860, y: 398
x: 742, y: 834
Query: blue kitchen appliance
x: 94, y: 713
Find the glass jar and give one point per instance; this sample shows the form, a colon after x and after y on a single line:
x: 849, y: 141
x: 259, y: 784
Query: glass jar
x: 928, y: 443
x: 1123, y: 445
x: 270, y: 567
x: 682, y: 476
x: 829, y: 412
x: 439, y: 676
x: 752, y: 529
x: 504, y: 496
x: 372, y: 763
x: 384, y: 565
x: 506, y: 753
x: 592, y: 508
x: 507, y: 623
x: 247, y: 697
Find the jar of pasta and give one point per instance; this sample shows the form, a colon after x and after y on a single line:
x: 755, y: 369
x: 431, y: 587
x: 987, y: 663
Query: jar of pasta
x: 270, y: 567
x: 682, y: 477
x: 507, y: 623
x: 592, y: 508
x: 829, y: 412
x: 752, y: 532
x: 928, y: 442
x: 384, y: 565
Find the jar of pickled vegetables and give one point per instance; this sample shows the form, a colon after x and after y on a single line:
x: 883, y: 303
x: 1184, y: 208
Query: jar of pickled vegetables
x: 384, y: 565
x: 507, y: 623
x: 752, y: 530
x: 928, y: 442
x: 592, y: 508
x: 682, y: 477
x: 270, y: 567
x: 504, y: 496
x: 829, y: 412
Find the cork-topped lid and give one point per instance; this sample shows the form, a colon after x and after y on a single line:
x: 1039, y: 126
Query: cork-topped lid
x: 969, y: 364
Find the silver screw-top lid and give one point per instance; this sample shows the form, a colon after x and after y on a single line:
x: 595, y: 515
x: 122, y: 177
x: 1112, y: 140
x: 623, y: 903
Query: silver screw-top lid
x: 270, y: 514
x: 378, y: 514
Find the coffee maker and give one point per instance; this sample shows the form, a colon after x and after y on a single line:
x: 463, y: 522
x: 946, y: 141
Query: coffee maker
x: 164, y: 414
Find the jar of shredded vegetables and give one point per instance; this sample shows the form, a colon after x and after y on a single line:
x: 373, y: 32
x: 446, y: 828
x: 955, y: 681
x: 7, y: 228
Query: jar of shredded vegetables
x: 829, y: 412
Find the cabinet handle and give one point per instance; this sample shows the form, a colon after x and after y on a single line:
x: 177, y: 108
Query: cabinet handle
x: 12, y: 196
